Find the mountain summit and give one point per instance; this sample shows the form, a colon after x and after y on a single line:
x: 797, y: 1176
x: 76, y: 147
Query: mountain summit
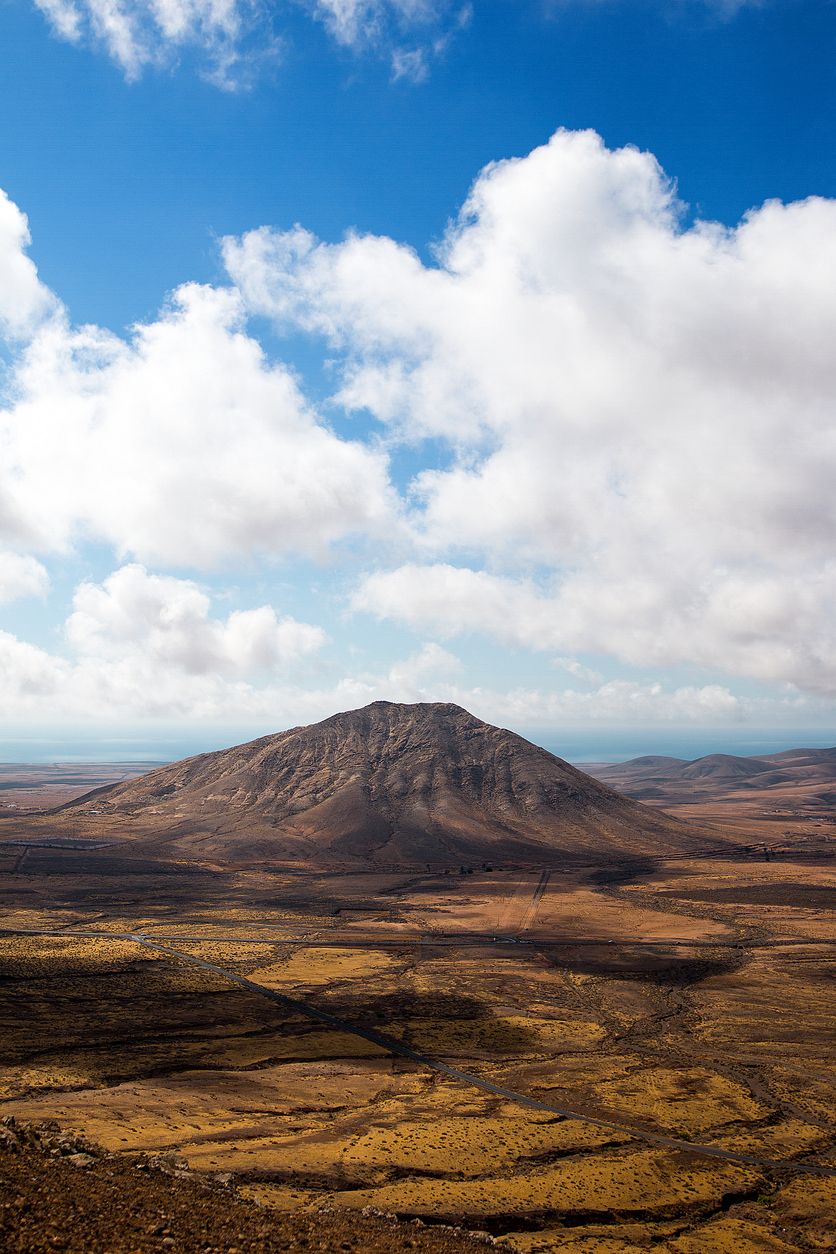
x: 389, y: 785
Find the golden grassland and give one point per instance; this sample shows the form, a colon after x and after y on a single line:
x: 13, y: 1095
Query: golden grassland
x: 640, y: 1182
x: 731, y: 1046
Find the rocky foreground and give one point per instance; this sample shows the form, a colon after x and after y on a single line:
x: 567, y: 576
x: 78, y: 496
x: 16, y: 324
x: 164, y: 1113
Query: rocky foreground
x: 58, y: 1192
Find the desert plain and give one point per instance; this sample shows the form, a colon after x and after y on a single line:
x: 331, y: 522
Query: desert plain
x: 569, y: 1054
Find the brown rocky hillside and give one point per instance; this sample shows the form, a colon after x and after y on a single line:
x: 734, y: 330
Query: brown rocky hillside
x: 62, y: 1193
x: 389, y: 785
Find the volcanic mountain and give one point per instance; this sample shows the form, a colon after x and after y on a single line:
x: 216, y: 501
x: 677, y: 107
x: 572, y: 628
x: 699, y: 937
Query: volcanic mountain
x: 386, y: 785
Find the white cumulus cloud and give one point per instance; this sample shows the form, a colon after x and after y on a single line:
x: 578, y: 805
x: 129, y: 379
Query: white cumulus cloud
x: 142, y: 645
x: 179, y: 662
x: 638, y: 408
x: 416, y: 675
x: 169, y: 621
x: 779, y: 629
x: 181, y: 444
x: 24, y: 300
x: 577, y: 670
x: 30, y: 677
x: 632, y: 447
x: 21, y: 575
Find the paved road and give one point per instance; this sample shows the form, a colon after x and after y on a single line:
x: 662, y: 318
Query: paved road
x: 351, y: 940
x: 394, y: 1046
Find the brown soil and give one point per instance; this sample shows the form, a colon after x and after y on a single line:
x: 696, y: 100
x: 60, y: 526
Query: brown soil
x: 62, y: 1193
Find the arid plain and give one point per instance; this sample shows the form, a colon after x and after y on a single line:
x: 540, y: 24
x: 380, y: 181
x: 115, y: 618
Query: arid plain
x: 569, y: 1053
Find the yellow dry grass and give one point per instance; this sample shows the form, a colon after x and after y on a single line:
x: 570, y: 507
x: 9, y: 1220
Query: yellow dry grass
x: 231, y: 955
x: 280, y: 1197
x: 325, y: 966
x: 572, y: 1242
x: 84, y: 1069
x: 333, y: 1153
x: 151, y: 1054
x: 169, y: 1112
x: 43, y: 956
x: 642, y: 1182
x: 509, y: 1035
x: 808, y: 1205
x: 787, y: 1138
x: 49, y: 1076
x: 729, y: 1235
x: 470, y: 1146
x: 688, y: 1100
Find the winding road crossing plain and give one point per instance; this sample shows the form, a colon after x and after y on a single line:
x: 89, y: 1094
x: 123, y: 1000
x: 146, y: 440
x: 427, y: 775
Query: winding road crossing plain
x: 397, y: 1047
x: 441, y: 1046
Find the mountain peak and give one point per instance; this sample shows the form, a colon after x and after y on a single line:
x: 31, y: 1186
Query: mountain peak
x: 389, y: 784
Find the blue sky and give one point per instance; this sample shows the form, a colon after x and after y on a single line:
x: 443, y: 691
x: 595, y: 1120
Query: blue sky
x: 564, y: 457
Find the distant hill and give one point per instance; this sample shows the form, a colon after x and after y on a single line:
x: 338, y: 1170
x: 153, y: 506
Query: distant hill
x: 797, y: 782
x: 813, y: 759
x: 648, y: 766
x: 384, y: 785
x: 722, y: 766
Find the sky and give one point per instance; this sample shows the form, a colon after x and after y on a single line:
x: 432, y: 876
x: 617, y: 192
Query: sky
x: 417, y: 350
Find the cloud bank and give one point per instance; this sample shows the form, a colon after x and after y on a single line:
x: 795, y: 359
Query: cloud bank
x: 144, y: 647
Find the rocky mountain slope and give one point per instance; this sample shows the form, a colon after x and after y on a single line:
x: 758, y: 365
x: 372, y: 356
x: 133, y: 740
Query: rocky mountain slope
x: 389, y: 785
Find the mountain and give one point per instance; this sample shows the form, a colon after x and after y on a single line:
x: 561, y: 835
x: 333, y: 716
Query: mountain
x: 723, y: 766
x: 387, y: 785
x: 656, y: 762
x: 794, y: 783
x: 718, y: 766
x: 820, y: 760
x: 647, y: 767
